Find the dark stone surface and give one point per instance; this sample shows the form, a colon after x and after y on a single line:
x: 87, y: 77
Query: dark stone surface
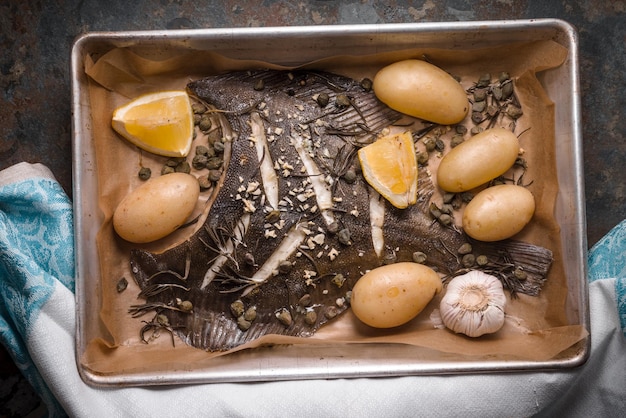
x: 36, y: 39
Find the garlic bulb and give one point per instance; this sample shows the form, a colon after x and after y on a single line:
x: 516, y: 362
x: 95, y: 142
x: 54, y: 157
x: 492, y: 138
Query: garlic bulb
x: 473, y: 304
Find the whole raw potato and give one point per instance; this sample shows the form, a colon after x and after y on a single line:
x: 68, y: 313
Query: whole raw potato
x: 392, y: 295
x: 478, y: 160
x: 156, y: 208
x: 423, y: 90
x: 498, y: 212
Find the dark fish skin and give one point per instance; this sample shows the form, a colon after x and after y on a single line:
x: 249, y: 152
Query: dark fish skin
x: 315, y: 287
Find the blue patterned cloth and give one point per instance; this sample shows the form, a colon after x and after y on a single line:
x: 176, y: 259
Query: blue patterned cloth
x: 37, y: 326
x: 607, y: 259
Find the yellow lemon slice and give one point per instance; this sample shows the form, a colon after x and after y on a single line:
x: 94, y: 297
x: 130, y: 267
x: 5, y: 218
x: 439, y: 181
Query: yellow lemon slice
x: 160, y: 123
x: 390, y: 167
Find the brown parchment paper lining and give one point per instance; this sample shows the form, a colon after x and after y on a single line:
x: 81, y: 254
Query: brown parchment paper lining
x: 536, y: 328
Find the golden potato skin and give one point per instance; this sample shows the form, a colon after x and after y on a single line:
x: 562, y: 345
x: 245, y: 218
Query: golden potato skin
x: 392, y: 295
x: 422, y: 90
x: 478, y: 160
x: 498, y: 212
x: 156, y: 208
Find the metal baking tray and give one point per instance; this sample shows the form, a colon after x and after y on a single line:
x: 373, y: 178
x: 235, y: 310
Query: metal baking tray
x: 292, y: 46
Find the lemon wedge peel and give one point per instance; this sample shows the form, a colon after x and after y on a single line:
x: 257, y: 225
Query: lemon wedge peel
x: 389, y: 165
x: 160, y: 123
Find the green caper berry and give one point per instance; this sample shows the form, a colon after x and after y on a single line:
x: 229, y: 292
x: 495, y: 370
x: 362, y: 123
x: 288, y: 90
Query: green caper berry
x: 199, y: 162
x: 448, y: 197
x: 445, y: 219
x: 520, y: 274
x: 243, y: 324
x: 305, y: 300
x: 214, y: 163
x: 479, y: 106
x: 492, y: 110
x: 482, y: 260
x: 205, y: 123
x: 466, y: 248
x: 330, y: 312
x: 480, y: 95
x: 342, y: 101
x: 144, y: 173
x: 218, y: 146
x: 272, y: 216
x: 468, y: 260
x: 476, y: 130
x: 507, y: 90
x: 484, y: 80
x: 259, y: 85
x: 447, y: 208
x: 204, y: 182
x: 422, y: 158
x: 477, y: 117
x: 366, y: 84
x: 497, y: 92
x: 310, y: 317
x: 162, y: 320
x: 460, y: 129
x: 122, y: 284
x: 196, y: 119
x: 237, y: 308
x: 198, y: 108
x: 202, y: 150
x: 504, y: 76
x: 350, y: 176
x: 514, y: 112
x: 456, y: 141
x: 285, y: 267
x: 183, y: 167
x: 167, y: 170
x: 323, y: 99
x: 419, y: 257
x: 214, y: 175
x: 186, y: 306
x: 284, y: 316
x: 172, y: 162
x: 439, y: 145
x: 467, y: 197
x: 434, y: 210
x: 429, y: 143
x: 250, y: 314
x: 333, y: 228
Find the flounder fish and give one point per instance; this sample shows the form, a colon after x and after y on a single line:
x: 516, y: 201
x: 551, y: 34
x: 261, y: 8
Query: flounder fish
x: 293, y: 224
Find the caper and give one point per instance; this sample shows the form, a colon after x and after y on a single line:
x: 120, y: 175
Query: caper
x: 447, y: 208
x: 460, y: 129
x: 273, y: 216
x: 183, y: 167
x: 167, y: 170
x: 389, y: 258
x: 467, y: 196
x: 250, y: 314
x: 445, y: 219
x: 468, y: 260
x: 173, y: 162
x: 497, y: 92
x: 342, y: 101
x: 456, y: 141
x: 237, y: 308
x: 507, y: 90
x: 248, y: 259
x: 350, y: 176
x: 214, y: 175
x: 285, y: 267
x: 366, y: 84
x: 330, y: 312
x: 484, y: 80
x: 519, y: 273
x: 480, y: 95
x: 482, y: 260
x: 422, y: 158
x: 333, y: 227
x: 477, y: 117
x: 284, y: 316
x: 419, y: 257
x: 310, y: 317
x: 479, y: 106
x: 514, y: 112
x: 214, y: 163
x: 144, y: 173
x: 323, y: 99
x: 205, y: 123
x: 305, y: 300
x: 439, y: 145
x: 199, y: 161
x: 243, y: 324
x: 204, y: 182
x: 504, y: 76
x: 465, y: 248
x: 447, y: 197
x: 196, y: 118
x: 434, y: 210
x: 202, y: 150
x: 259, y: 85
x: 492, y: 111
x: 429, y: 143
x: 218, y: 146
x: 344, y: 236
x: 476, y: 130
x: 185, y: 306
x: 198, y: 108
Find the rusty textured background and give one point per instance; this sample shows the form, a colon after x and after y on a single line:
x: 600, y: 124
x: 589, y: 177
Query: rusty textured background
x: 36, y: 39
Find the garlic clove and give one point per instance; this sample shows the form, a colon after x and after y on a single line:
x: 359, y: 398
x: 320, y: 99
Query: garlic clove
x: 473, y: 304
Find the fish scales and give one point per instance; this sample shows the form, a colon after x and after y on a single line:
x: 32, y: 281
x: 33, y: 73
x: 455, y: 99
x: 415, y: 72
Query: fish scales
x: 287, y: 245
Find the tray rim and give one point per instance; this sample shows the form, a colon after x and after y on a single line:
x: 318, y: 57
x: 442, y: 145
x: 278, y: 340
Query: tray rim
x: 129, y: 38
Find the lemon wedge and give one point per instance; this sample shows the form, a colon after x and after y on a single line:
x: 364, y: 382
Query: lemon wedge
x: 160, y: 123
x: 389, y: 165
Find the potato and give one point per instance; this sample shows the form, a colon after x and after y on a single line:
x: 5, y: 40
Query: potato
x: 423, y: 90
x: 156, y: 208
x: 498, y: 212
x: 478, y: 160
x: 392, y: 295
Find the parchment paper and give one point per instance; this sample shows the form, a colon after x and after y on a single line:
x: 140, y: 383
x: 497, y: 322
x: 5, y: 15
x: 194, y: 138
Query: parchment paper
x: 536, y: 328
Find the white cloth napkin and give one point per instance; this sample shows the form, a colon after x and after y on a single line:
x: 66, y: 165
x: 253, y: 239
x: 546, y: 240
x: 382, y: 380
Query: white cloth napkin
x: 37, y: 326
